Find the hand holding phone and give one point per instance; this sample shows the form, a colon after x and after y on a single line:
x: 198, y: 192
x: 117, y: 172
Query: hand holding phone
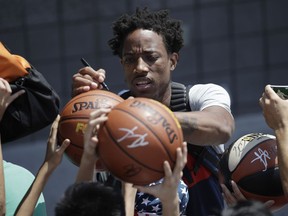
x: 281, y: 90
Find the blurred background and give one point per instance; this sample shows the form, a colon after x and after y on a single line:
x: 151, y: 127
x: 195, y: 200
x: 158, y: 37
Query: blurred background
x: 241, y: 45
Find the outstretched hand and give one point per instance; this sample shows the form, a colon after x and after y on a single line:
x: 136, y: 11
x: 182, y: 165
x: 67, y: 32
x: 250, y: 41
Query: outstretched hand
x: 90, y: 137
x: 53, y: 158
x: 54, y: 153
x: 274, y: 109
x: 169, y: 187
x: 6, y: 96
x: 89, y: 156
x: 231, y: 198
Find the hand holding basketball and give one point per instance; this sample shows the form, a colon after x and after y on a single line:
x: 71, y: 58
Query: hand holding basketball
x: 90, y: 137
x: 90, y: 157
x: 232, y: 197
x: 54, y: 152
x: 74, y: 118
x: 252, y: 163
x: 169, y: 186
x: 139, y: 135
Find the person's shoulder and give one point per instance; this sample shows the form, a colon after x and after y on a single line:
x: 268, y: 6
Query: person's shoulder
x: 206, y: 87
x: 204, y: 95
x: 12, y: 169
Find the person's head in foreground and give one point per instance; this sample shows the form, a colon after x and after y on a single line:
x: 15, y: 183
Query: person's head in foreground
x: 90, y: 199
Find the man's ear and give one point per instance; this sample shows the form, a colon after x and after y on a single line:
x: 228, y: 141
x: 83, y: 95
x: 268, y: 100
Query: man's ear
x: 173, y: 60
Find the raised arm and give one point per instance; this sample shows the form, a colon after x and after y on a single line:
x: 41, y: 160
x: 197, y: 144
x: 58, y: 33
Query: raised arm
x: 5, y: 100
x: 211, y: 126
x: 275, y: 111
x: 167, y: 191
x: 210, y: 121
x: 89, y: 156
x: 5, y: 96
x: 53, y: 158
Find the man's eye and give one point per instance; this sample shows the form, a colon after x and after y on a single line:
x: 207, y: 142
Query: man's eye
x: 151, y: 58
x: 128, y: 60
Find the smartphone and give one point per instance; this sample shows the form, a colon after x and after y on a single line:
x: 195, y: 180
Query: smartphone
x: 281, y: 90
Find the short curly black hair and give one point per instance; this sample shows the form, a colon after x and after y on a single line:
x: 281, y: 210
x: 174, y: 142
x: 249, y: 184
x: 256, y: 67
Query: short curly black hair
x: 158, y: 21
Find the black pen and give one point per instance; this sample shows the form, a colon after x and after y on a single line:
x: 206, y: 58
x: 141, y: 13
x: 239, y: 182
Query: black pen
x: 85, y: 63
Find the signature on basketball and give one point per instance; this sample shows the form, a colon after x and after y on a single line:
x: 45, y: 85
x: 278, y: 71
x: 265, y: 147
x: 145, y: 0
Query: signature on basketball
x: 262, y: 156
x: 139, y: 138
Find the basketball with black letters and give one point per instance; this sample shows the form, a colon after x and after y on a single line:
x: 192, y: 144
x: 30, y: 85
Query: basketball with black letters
x: 74, y: 118
x: 252, y: 162
x: 139, y: 135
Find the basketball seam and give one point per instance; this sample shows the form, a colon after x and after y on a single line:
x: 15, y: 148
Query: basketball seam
x: 64, y: 118
x: 92, y: 94
x: 72, y: 144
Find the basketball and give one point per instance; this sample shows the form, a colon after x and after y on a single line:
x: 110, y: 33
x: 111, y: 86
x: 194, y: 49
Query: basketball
x: 251, y: 161
x: 74, y: 118
x: 139, y: 135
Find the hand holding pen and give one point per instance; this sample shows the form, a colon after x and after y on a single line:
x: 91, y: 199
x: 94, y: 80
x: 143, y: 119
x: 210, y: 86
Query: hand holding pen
x: 85, y: 63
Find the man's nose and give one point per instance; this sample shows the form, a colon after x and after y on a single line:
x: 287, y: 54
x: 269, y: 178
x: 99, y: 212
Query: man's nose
x: 141, y: 66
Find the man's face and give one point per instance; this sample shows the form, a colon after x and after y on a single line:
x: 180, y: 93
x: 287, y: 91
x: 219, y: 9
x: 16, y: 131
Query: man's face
x: 147, y: 65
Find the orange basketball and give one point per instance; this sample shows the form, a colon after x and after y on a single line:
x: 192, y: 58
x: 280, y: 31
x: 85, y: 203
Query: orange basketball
x: 139, y: 135
x: 252, y: 162
x: 74, y: 118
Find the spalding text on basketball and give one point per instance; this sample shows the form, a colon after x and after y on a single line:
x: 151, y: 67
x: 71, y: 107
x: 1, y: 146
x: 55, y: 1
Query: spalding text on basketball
x: 91, y: 105
x: 156, y: 118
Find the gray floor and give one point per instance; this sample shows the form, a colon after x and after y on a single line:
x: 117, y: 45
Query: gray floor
x: 31, y: 155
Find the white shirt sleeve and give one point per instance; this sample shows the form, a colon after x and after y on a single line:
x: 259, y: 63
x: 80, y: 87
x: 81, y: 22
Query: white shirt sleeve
x: 202, y: 96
